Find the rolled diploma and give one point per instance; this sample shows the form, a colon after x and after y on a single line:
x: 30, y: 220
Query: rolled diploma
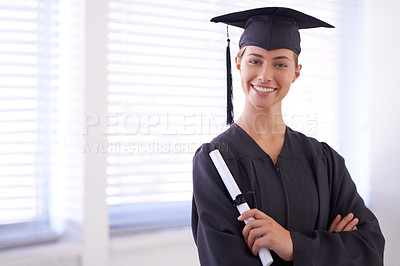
x: 233, y: 189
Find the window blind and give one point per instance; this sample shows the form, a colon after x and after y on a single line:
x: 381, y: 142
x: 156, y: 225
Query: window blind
x: 165, y: 94
x: 27, y: 85
x: 166, y: 74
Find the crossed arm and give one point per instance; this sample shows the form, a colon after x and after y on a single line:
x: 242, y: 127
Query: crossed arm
x: 216, y: 233
x: 266, y: 232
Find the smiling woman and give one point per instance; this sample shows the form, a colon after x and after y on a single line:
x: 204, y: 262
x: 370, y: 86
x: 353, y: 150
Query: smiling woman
x: 266, y: 77
x: 306, y: 207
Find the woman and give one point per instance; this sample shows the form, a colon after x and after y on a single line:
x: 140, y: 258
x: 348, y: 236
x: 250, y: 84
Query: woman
x: 298, y: 187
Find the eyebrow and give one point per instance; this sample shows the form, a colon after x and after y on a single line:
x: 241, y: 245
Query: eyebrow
x: 257, y: 55
x: 275, y: 58
x: 281, y: 57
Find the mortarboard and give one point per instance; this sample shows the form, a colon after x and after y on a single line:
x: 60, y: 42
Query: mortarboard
x: 269, y: 28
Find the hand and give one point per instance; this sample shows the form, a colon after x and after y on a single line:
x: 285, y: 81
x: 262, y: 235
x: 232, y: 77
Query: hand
x: 345, y: 224
x: 266, y: 232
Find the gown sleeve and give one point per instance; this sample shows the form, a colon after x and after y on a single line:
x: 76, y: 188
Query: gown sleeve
x: 216, y: 230
x: 359, y: 248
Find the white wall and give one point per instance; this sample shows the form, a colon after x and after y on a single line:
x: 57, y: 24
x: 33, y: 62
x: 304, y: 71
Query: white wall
x: 384, y: 121
x: 171, y: 248
x: 168, y: 248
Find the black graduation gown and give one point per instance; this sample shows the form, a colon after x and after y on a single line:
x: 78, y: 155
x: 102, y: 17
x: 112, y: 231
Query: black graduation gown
x: 303, y: 192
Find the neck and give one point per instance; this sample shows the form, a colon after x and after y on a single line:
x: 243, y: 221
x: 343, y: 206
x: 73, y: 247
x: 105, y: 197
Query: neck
x: 262, y: 123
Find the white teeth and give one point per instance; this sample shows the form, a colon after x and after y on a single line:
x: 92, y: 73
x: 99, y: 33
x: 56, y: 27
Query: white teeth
x: 262, y: 89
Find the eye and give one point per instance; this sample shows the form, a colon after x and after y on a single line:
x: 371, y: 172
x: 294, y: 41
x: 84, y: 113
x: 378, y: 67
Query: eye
x: 254, y: 62
x: 281, y: 65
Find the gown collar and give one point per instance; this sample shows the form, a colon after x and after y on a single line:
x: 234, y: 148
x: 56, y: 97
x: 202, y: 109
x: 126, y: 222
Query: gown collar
x: 249, y: 147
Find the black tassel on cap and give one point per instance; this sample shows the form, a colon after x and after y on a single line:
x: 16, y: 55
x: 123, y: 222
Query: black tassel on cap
x: 229, y: 105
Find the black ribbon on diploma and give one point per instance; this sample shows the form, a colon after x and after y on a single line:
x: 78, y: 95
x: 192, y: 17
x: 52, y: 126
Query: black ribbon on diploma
x: 240, y: 199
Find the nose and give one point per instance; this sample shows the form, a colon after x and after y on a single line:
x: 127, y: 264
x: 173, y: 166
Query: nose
x: 265, y: 74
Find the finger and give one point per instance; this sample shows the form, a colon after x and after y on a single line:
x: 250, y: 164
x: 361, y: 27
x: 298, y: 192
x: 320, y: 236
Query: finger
x: 350, y: 226
x: 251, y: 225
x: 335, y: 223
x: 258, y: 243
x: 257, y: 214
x: 344, y: 222
x: 355, y: 228
x: 253, y: 236
x: 246, y: 230
x: 247, y: 214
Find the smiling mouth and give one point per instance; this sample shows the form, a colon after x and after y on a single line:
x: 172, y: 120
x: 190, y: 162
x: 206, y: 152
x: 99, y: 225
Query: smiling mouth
x: 264, y: 89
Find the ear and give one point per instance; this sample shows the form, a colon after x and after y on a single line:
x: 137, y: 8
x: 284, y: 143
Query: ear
x: 237, y: 62
x: 297, y: 72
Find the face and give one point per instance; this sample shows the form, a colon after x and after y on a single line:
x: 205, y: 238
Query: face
x: 266, y: 76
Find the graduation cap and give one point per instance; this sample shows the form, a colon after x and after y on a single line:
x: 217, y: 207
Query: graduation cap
x: 269, y: 28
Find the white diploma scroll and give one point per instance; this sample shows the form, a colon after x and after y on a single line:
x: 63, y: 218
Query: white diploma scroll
x: 233, y: 189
